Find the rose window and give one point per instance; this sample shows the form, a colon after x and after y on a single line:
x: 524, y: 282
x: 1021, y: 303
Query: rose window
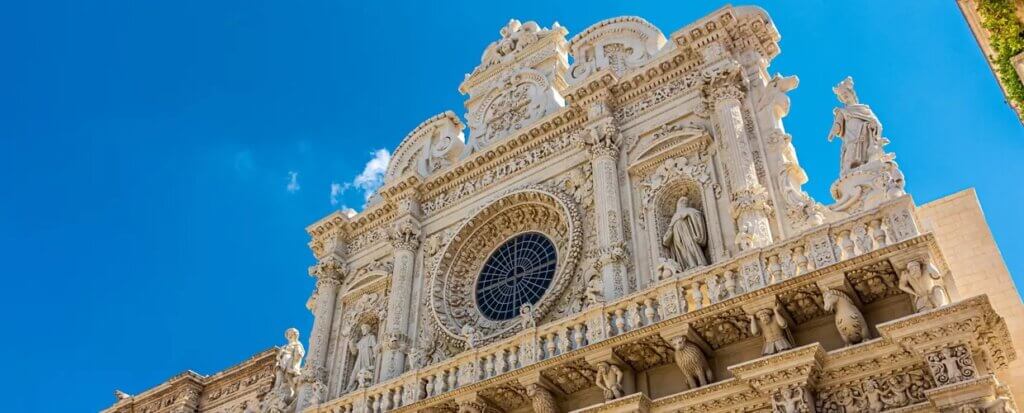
x: 518, y: 272
x: 521, y: 248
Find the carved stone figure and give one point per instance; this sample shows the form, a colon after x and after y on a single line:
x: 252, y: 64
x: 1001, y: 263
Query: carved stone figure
x: 858, y: 127
x: 469, y: 333
x: 667, y: 268
x: 594, y: 294
x: 867, y: 175
x: 526, y: 316
x: 775, y: 328
x: 849, y: 321
x: 692, y: 363
x: 925, y: 285
x: 541, y: 399
x: 365, y: 350
x: 609, y: 380
x: 287, y: 368
x: 687, y: 235
x: 792, y: 400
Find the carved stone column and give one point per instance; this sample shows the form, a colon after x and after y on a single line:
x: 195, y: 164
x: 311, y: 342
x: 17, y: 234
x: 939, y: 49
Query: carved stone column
x: 723, y: 93
x: 603, y: 143
x: 329, y: 273
x: 405, y: 239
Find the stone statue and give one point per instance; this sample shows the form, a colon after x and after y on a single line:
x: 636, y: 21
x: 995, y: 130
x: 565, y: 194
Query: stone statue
x: 287, y: 368
x: 776, y: 330
x: 692, y: 363
x: 609, y: 380
x: 470, y: 334
x: 594, y: 294
x: 858, y: 127
x: 924, y: 285
x: 849, y: 321
x: 526, y: 317
x: 365, y: 351
x: 868, y: 176
x: 687, y: 236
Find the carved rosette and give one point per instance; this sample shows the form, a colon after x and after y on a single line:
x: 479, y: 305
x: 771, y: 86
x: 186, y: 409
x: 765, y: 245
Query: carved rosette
x: 531, y: 209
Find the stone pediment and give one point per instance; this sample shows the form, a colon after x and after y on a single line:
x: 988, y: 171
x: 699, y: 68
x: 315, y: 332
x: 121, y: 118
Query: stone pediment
x: 620, y: 44
x: 433, y: 145
x: 519, y: 81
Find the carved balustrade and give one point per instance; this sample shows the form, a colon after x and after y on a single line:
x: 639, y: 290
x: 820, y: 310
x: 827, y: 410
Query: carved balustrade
x: 707, y: 299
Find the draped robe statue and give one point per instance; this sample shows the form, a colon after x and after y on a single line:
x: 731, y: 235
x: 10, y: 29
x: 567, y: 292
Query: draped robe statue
x: 365, y: 351
x: 858, y: 127
x: 686, y: 236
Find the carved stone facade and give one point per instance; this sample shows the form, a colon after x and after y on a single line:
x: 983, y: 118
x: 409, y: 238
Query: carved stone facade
x: 663, y: 257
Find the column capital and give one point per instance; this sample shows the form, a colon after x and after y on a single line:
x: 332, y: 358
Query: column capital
x: 404, y: 234
x: 603, y: 139
x: 329, y: 270
x: 723, y: 84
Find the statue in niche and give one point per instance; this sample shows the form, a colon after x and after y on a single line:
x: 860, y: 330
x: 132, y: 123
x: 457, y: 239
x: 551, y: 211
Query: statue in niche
x: 777, y: 336
x: 365, y: 350
x: 925, y: 285
x: 686, y: 236
x: 287, y: 368
x: 858, y: 127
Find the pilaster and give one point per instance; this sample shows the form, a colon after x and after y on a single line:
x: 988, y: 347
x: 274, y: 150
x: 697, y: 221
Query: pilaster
x: 404, y: 236
x: 603, y: 142
x: 723, y: 93
x: 329, y: 273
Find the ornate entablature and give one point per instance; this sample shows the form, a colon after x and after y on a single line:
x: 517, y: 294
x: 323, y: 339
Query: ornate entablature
x: 643, y: 245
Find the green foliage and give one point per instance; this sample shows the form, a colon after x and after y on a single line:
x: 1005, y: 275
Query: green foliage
x: 1006, y: 34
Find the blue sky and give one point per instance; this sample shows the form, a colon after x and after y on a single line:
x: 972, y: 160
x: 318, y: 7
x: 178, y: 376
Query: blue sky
x: 162, y: 159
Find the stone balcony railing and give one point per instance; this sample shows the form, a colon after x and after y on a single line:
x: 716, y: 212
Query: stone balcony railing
x: 712, y: 303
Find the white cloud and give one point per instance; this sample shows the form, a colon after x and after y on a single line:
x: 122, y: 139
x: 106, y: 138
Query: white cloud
x: 336, y: 191
x: 368, y: 181
x: 293, y: 182
x: 372, y: 176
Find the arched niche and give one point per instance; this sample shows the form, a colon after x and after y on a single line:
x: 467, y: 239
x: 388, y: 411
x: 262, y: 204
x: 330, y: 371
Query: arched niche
x: 673, y: 178
x: 369, y: 309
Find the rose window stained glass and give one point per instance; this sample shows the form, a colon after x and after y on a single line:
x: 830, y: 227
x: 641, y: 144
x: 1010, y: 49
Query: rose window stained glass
x: 517, y: 272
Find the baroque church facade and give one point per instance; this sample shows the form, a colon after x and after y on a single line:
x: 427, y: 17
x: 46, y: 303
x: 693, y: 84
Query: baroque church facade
x: 627, y: 233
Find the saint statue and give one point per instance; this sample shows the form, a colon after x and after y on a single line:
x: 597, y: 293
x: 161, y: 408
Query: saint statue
x: 365, y: 351
x: 858, y: 127
x: 686, y: 236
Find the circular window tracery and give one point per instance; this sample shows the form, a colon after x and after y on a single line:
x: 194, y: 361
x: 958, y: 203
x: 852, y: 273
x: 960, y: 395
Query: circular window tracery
x: 454, y: 288
x: 517, y: 272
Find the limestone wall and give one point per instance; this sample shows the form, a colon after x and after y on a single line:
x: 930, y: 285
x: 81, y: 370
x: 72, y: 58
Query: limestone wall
x: 964, y: 237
